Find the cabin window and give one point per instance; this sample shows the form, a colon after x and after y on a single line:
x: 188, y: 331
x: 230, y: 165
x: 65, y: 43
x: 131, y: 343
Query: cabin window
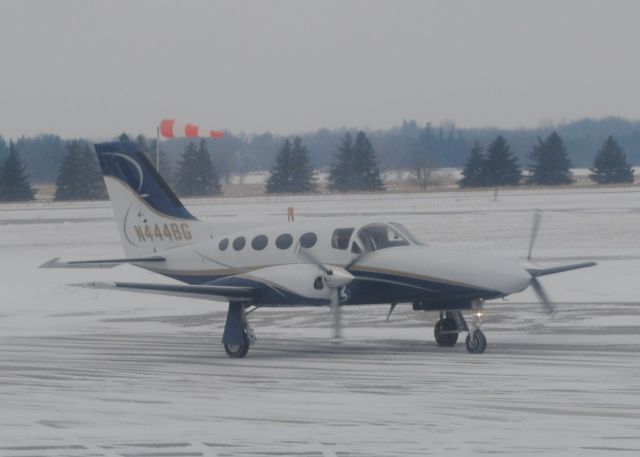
x: 259, y: 242
x: 340, y: 238
x: 308, y: 240
x: 223, y: 244
x: 239, y: 243
x: 355, y: 248
x: 284, y: 241
x: 381, y: 236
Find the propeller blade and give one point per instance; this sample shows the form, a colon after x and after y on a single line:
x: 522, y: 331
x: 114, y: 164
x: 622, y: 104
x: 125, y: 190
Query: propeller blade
x: 537, y: 218
x: 336, y: 311
x: 356, y: 260
x: 335, y: 278
x: 309, y: 257
x: 549, y: 308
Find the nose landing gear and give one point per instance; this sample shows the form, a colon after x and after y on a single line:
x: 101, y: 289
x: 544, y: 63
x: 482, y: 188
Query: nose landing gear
x: 476, y: 342
x: 452, y: 323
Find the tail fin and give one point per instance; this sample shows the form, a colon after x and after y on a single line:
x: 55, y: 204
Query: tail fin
x: 149, y: 215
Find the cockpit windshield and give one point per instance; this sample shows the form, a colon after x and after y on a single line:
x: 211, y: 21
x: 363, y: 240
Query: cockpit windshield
x: 381, y: 236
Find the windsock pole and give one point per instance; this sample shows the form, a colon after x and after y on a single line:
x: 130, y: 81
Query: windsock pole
x: 158, y: 148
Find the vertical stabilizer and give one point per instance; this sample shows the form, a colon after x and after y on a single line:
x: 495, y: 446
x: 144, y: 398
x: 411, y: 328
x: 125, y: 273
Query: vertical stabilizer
x: 149, y: 215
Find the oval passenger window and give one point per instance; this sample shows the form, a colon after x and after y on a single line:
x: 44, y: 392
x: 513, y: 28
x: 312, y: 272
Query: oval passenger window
x: 284, y: 241
x: 239, y: 243
x: 223, y: 244
x: 308, y: 240
x: 259, y: 242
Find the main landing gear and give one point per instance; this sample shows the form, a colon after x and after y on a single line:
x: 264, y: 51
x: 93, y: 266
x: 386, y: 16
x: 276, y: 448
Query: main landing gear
x: 452, y: 323
x: 238, y: 336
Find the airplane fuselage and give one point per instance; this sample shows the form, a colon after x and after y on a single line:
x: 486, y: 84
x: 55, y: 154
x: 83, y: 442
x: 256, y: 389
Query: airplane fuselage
x: 405, y: 270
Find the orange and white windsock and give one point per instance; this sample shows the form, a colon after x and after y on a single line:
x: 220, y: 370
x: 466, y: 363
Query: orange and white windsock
x: 169, y: 128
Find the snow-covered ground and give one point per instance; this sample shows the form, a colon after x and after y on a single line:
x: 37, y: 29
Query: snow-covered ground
x: 87, y: 372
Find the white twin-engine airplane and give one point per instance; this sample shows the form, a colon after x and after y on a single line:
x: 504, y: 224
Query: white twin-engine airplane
x: 334, y: 262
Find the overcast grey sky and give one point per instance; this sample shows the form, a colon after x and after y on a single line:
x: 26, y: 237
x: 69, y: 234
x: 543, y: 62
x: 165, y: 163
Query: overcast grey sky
x: 96, y: 68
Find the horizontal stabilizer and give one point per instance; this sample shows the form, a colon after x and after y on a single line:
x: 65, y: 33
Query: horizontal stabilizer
x: 180, y: 290
x: 104, y: 263
x: 541, y: 271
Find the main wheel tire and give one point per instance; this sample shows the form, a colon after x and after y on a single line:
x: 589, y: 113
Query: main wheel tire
x: 477, y: 343
x: 442, y: 335
x: 237, y: 351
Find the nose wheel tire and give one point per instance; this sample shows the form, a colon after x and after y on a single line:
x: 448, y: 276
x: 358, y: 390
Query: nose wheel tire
x: 476, y: 342
x: 446, y: 332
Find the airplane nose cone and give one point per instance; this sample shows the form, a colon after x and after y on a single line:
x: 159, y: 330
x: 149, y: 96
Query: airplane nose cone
x: 512, y: 277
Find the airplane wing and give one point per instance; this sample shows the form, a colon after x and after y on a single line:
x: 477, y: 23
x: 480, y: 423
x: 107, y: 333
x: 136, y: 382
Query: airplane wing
x: 536, y: 271
x: 102, y: 263
x: 179, y: 290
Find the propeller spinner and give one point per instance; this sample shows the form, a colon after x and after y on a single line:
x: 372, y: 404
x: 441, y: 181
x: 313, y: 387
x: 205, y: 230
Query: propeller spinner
x: 335, y: 278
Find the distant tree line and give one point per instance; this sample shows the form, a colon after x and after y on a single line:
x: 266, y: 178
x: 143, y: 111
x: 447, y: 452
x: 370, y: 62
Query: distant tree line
x: 614, y: 142
x: 549, y: 164
x: 409, y: 146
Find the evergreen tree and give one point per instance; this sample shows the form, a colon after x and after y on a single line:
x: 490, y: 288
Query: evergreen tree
x: 79, y: 177
x: 196, y: 175
x: 291, y: 171
x: 366, y: 164
x: 187, y: 171
x: 341, y: 172
x: 550, y: 162
x: 610, y: 164
x: 3, y: 149
x: 124, y: 137
x: 68, y: 184
x: 501, y: 164
x: 355, y: 166
x: 14, y: 183
x: 92, y: 180
x: 474, y: 171
x: 208, y: 179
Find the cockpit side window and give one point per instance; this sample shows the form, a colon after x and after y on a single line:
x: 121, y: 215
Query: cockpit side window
x: 405, y: 231
x: 355, y: 249
x: 340, y: 238
x: 381, y: 236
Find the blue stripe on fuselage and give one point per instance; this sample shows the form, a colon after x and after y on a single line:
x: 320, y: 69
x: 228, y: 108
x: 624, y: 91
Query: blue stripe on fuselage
x: 367, y: 288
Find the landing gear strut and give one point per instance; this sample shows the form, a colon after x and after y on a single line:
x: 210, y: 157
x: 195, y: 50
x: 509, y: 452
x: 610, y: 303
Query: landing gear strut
x: 238, y: 336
